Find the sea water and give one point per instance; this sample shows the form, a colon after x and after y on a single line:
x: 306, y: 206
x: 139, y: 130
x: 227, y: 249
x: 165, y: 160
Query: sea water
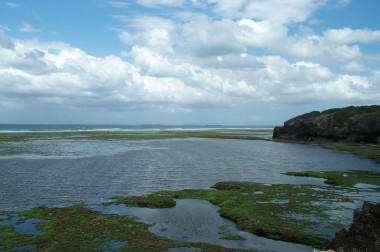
x: 58, y: 172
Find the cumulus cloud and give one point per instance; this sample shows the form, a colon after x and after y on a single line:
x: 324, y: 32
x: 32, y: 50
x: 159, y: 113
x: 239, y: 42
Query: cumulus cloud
x: 291, y: 10
x: 205, y: 38
x: 350, y: 36
x: 245, y: 51
x: 5, y: 41
x: 56, y: 73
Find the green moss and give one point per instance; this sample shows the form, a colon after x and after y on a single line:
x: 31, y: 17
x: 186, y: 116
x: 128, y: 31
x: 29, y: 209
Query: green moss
x: 233, y: 238
x: 104, y: 135
x: 346, y: 178
x: 370, y: 151
x: 77, y: 228
x: 151, y: 201
x: 295, y: 213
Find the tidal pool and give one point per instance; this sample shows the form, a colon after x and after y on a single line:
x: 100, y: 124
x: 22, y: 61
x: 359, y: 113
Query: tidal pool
x: 26, y: 227
x: 194, y: 220
x: 60, y: 172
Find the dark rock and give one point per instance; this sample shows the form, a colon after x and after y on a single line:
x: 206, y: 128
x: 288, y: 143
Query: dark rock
x: 364, y: 233
x: 356, y: 124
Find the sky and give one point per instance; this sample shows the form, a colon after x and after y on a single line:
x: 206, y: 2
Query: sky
x: 230, y: 62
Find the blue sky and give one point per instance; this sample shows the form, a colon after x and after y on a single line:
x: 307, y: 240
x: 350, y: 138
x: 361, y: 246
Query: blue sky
x: 241, y: 62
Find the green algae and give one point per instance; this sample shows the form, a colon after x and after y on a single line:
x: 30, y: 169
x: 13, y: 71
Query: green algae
x: 366, y: 150
x: 369, y: 151
x: 78, y: 228
x: 110, y: 135
x: 151, y: 201
x: 293, y: 213
x: 342, y: 178
x: 233, y: 238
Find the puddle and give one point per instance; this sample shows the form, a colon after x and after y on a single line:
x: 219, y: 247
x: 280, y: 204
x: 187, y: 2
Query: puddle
x: 184, y: 249
x: 365, y: 186
x: 27, y: 247
x: 280, y: 201
x: 198, y: 221
x: 27, y: 227
x: 113, y: 245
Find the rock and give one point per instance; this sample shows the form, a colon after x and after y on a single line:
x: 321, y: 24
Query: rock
x: 356, y: 124
x: 364, y: 233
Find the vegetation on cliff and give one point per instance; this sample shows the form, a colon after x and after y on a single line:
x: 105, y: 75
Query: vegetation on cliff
x: 355, y: 124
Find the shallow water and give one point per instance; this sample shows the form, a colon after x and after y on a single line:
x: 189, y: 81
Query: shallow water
x: 198, y: 221
x: 56, y: 172
x: 27, y: 227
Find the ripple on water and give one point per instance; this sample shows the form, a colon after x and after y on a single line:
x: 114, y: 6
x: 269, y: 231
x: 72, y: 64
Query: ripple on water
x: 193, y: 220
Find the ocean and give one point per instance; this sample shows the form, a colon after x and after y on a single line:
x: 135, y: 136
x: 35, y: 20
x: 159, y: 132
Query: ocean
x: 9, y: 128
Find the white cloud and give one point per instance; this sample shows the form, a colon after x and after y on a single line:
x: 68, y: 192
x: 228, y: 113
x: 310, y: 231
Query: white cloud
x: 119, y: 4
x: 207, y: 38
x: 125, y: 36
x: 227, y: 8
x: 12, y: 5
x: 26, y: 27
x: 143, y: 23
x: 350, y: 36
x: 5, y: 41
x: 157, y: 78
x: 246, y: 51
x: 343, y: 3
x: 277, y: 11
x: 262, y: 34
x: 155, y: 3
x: 354, y: 66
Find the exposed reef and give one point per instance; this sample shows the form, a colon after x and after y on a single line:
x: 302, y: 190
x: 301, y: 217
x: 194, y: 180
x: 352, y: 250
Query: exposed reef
x: 354, y: 124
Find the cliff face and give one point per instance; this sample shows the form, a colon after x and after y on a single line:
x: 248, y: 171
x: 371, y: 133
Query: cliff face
x: 358, y: 124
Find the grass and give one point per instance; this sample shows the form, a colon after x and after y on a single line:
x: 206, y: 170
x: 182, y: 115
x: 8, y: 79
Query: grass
x: 77, y: 228
x: 346, y: 178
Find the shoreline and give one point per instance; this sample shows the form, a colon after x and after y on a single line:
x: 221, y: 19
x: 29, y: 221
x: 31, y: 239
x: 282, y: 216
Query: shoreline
x: 369, y: 151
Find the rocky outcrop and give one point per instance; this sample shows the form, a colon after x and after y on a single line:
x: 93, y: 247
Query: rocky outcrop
x: 358, y: 124
x: 364, y: 233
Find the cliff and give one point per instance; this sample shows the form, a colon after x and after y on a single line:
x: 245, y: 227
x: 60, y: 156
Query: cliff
x: 358, y: 124
x: 364, y: 233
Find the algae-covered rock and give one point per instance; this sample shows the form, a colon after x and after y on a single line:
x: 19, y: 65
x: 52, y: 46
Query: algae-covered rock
x: 364, y: 233
x: 357, y: 124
